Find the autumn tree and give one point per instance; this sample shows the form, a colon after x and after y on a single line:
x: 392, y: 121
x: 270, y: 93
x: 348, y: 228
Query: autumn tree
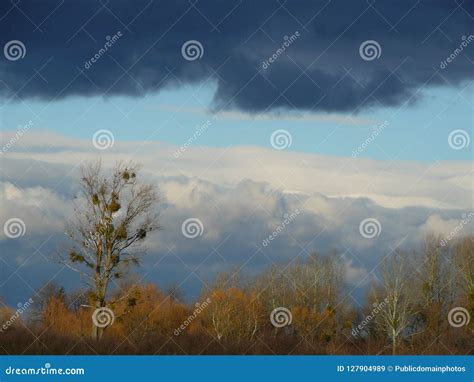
x: 234, y: 315
x: 116, y: 215
x: 311, y: 290
x: 145, y: 314
x: 464, y: 270
x: 57, y: 318
x: 44, y: 295
x: 433, y: 289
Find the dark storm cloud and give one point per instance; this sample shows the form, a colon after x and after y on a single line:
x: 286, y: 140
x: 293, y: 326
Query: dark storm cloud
x: 319, y: 69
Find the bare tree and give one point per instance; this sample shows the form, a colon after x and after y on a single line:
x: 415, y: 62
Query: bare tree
x: 464, y: 269
x: 393, y: 298
x: 435, y: 286
x: 116, y: 215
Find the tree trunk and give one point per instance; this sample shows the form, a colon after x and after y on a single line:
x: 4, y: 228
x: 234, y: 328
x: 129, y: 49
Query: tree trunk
x: 394, y: 343
x: 97, y: 332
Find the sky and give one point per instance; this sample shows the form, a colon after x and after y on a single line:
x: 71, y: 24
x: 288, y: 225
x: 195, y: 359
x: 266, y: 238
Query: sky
x: 241, y: 113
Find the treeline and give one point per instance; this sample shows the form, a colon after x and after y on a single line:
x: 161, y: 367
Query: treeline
x: 418, y: 302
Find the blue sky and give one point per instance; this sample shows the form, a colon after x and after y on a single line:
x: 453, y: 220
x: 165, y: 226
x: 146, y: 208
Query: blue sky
x: 417, y: 131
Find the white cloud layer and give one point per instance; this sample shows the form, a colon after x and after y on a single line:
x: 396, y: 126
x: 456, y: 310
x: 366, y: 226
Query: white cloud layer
x: 241, y: 195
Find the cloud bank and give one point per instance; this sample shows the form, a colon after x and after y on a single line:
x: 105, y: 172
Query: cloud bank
x: 242, y: 196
